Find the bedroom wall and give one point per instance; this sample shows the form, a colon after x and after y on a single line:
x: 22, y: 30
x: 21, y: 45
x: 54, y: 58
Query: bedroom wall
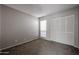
x: 63, y: 26
x: 17, y: 27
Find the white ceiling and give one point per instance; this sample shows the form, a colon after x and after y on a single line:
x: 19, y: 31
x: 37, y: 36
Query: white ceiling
x: 40, y: 10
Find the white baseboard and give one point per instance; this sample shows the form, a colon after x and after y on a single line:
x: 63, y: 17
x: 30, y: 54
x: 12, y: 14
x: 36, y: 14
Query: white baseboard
x: 64, y: 43
x: 76, y: 46
x: 16, y: 45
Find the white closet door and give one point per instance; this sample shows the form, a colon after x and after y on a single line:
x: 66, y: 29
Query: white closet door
x: 62, y: 29
x: 70, y: 29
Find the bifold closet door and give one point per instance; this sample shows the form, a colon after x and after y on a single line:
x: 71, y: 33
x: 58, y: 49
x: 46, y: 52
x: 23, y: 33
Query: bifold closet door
x: 62, y: 29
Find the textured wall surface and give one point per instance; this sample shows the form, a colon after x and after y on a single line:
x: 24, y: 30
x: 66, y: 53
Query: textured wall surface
x: 17, y: 27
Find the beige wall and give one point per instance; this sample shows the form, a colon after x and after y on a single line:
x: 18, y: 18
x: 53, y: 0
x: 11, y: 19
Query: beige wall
x: 70, y: 38
x: 17, y: 27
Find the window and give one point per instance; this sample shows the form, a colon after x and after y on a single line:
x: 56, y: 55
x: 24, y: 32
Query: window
x: 43, y: 28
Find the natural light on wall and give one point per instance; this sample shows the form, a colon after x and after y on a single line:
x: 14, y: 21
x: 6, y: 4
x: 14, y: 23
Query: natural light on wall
x: 43, y: 28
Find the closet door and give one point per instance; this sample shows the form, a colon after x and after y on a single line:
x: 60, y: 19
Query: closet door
x: 70, y: 29
x: 62, y: 29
